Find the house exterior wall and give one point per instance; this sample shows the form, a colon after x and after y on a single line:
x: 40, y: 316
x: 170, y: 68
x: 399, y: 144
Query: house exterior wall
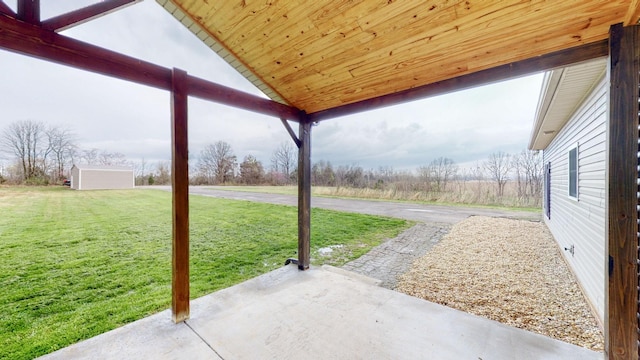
x: 581, y: 222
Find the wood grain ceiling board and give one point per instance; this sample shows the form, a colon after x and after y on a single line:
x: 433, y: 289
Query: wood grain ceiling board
x: 317, y: 55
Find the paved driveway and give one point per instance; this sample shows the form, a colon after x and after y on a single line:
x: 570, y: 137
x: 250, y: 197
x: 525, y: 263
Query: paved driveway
x: 409, y: 211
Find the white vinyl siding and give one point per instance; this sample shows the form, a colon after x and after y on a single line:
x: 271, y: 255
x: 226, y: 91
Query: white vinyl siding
x: 582, y: 223
x: 105, y: 179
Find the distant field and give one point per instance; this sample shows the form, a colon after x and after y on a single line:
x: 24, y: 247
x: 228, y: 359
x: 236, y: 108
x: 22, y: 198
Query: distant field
x: 472, y: 194
x: 79, y: 263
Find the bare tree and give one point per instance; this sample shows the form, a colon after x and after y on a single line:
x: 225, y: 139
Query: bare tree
x: 477, y: 174
x: 112, y: 158
x: 529, y: 171
x: 350, y: 176
x: 251, y: 171
x: 24, y: 140
x: 163, y: 174
x: 283, y: 160
x: 322, y: 174
x: 498, y: 166
x: 141, y: 172
x: 89, y: 157
x: 217, y: 163
x: 61, y: 147
x: 441, y: 171
x: 424, y: 178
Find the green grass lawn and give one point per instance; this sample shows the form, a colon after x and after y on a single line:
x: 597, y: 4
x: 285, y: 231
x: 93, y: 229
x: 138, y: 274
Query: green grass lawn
x: 79, y: 263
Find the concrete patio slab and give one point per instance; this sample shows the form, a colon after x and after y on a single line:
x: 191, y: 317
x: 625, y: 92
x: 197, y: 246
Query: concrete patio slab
x: 322, y: 313
x: 154, y: 337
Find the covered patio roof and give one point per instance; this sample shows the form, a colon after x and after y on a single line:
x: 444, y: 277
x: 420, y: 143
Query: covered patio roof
x: 322, y: 55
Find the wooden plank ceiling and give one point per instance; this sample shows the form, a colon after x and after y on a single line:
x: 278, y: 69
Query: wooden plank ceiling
x: 318, y: 55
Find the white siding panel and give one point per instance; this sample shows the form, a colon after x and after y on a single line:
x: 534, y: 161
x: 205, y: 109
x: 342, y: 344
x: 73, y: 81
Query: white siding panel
x: 106, y: 179
x: 581, y: 222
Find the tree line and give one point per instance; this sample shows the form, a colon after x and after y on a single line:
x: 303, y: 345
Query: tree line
x: 44, y: 154
x: 217, y: 165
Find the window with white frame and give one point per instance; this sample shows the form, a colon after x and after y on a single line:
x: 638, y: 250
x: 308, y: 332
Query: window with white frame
x: 573, y: 172
x: 547, y: 189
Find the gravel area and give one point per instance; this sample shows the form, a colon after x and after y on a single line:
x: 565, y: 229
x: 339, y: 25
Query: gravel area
x: 506, y: 270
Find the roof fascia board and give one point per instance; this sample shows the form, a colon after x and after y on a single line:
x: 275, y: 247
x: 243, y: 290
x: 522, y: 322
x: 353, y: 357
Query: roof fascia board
x: 499, y: 73
x: 547, y: 95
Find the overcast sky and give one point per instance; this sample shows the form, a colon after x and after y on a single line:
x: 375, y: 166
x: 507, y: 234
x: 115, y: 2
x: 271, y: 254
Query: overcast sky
x: 118, y: 116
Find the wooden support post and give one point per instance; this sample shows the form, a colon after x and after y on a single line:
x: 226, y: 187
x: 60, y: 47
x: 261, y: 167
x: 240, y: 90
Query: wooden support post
x: 621, y: 323
x: 304, y: 195
x: 29, y: 11
x: 180, y: 193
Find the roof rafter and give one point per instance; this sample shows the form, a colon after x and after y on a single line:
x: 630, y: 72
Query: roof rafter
x: 80, y: 16
x: 495, y: 74
x: 27, y: 39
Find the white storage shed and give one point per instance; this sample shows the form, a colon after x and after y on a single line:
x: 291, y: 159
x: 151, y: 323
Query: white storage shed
x: 93, y: 177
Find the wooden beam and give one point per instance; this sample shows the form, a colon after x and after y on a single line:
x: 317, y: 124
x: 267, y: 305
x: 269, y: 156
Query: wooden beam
x: 499, y: 73
x: 621, y: 322
x: 77, y: 17
x: 293, y: 135
x: 304, y: 196
x: 29, y: 11
x: 207, y: 90
x: 5, y: 9
x: 180, y: 197
x: 34, y: 41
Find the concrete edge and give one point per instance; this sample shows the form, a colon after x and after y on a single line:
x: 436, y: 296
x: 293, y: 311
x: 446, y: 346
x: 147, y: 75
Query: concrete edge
x: 363, y: 278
